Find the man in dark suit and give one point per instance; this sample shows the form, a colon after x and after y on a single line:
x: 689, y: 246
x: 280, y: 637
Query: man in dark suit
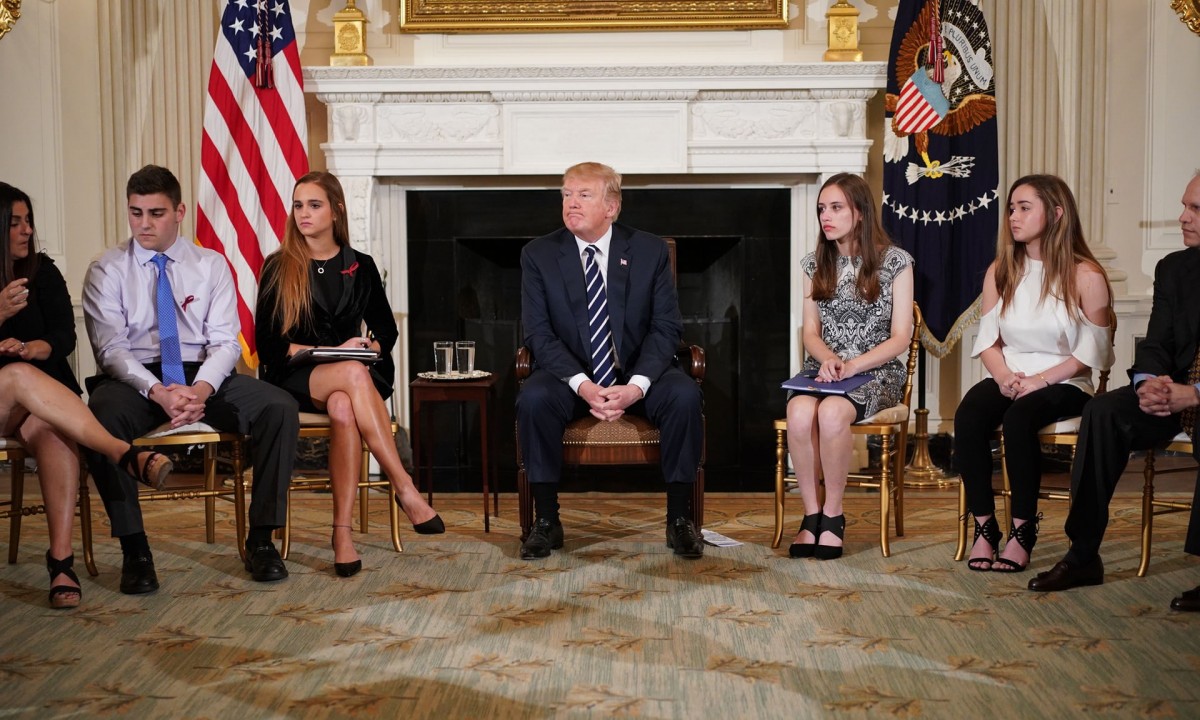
x: 601, y: 317
x: 1161, y: 398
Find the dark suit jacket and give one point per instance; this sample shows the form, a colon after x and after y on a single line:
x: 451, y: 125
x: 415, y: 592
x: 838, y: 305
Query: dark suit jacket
x: 362, y: 299
x: 49, y: 317
x: 642, y: 302
x: 1174, y: 328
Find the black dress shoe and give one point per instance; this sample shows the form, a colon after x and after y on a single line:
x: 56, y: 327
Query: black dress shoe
x: 544, y: 537
x: 264, y: 564
x: 1065, y: 576
x: 137, y: 574
x: 683, y: 537
x: 1189, y: 601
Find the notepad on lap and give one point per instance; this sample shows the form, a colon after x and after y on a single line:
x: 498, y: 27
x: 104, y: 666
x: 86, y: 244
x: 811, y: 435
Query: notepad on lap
x: 807, y: 382
x: 333, y: 354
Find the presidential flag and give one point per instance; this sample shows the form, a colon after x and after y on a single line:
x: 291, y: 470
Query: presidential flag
x: 941, y: 198
x: 254, y: 145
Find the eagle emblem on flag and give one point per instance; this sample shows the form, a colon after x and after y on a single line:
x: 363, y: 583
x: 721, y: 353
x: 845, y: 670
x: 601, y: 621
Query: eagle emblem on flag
x: 944, y: 72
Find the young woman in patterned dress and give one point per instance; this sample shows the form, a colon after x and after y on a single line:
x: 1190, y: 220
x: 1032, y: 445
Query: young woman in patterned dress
x: 858, y: 293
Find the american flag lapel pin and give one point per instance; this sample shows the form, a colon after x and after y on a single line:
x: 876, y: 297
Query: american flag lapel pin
x: 624, y: 262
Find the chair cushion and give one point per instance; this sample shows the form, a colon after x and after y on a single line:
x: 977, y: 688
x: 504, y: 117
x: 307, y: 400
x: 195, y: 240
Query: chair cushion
x: 1182, y: 437
x: 165, y: 429
x: 894, y: 414
x: 628, y: 430
x: 1065, y: 425
x: 308, y: 419
x: 10, y: 443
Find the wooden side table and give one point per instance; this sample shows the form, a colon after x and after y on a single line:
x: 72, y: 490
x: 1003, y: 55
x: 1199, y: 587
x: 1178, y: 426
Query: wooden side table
x: 428, y: 392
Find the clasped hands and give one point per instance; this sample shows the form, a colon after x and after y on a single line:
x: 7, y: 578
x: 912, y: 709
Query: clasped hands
x: 1163, y: 397
x: 609, y: 403
x: 183, y: 404
x: 1018, y: 385
x: 835, y: 369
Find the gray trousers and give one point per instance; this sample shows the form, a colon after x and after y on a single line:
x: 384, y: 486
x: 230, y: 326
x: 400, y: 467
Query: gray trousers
x: 242, y: 404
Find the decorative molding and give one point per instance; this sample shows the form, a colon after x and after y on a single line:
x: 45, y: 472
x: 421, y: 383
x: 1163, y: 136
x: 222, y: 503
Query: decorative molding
x: 594, y: 96
x: 438, y: 123
x: 757, y: 121
x: 808, y: 72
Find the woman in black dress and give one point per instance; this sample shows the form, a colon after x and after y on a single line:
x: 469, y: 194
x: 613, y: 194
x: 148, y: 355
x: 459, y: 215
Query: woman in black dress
x: 39, y: 397
x: 316, y: 291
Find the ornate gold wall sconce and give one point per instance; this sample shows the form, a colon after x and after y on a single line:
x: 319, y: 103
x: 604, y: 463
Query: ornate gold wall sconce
x: 10, y: 13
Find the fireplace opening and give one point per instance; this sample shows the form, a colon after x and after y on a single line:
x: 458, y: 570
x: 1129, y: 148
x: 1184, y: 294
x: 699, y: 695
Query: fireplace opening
x: 732, y: 277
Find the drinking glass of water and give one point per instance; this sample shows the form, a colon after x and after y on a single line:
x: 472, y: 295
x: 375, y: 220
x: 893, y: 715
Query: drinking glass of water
x: 465, y: 350
x: 443, y: 357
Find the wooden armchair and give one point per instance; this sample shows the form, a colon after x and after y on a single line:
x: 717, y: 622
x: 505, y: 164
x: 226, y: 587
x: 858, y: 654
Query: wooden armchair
x: 891, y: 425
x: 1181, y: 443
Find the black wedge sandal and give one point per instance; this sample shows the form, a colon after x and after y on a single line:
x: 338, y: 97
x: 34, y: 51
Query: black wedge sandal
x: 990, y: 531
x: 811, y: 523
x: 60, y: 595
x: 1026, y: 536
x: 153, y: 474
x: 837, y: 526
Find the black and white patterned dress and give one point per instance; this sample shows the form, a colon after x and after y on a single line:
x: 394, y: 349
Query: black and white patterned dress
x: 851, y: 327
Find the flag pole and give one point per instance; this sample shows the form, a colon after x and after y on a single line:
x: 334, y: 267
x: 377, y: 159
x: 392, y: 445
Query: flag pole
x: 920, y: 472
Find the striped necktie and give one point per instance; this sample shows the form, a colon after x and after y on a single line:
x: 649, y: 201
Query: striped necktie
x: 603, y: 369
x: 1188, y: 418
x: 168, y: 327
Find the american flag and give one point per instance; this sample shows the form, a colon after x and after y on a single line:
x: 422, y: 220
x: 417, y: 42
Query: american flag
x: 254, y: 145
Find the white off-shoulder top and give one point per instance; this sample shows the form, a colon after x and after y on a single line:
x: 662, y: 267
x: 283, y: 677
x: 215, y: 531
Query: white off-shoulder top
x: 1041, y: 334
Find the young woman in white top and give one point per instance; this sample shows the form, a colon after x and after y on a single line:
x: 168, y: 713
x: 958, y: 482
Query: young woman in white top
x: 1046, y: 309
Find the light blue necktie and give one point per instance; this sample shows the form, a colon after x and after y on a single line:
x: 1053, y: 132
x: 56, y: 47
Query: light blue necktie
x: 168, y: 327
x: 603, y: 368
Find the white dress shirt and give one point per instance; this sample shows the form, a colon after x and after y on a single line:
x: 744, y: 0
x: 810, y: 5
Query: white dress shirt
x: 122, y: 322
x: 601, y: 246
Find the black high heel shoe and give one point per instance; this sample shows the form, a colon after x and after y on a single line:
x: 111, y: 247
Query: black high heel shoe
x: 61, y: 595
x: 432, y: 526
x: 811, y: 523
x: 990, y: 531
x: 837, y: 526
x: 1026, y: 536
x: 345, y: 569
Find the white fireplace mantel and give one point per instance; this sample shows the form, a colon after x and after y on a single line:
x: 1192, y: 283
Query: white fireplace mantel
x: 393, y: 128
x: 689, y: 120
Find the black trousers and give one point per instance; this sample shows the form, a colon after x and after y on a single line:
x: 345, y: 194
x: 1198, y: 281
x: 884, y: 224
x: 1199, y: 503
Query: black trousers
x: 242, y: 404
x: 1114, y: 426
x: 982, y: 410
x: 674, y: 405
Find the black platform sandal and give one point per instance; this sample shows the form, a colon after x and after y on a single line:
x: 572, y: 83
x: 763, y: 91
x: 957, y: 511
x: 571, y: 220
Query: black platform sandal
x: 154, y: 473
x: 811, y: 523
x: 1026, y: 536
x: 837, y: 526
x: 63, y: 597
x: 990, y: 531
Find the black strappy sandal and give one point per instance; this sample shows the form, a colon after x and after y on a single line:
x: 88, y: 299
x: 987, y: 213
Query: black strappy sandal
x: 990, y: 531
x: 153, y: 474
x: 837, y: 526
x: 61, y: 595
x: 1026, y: 536
x: 811, y: 523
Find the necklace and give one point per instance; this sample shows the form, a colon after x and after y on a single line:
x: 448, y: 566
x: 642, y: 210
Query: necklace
x: 321, y: 267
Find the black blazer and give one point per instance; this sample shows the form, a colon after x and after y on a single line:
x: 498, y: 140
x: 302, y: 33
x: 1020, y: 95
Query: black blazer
x: 642, y: 302
x: 1174, y: 328
x: 49, y: 317
x: 362, y: 300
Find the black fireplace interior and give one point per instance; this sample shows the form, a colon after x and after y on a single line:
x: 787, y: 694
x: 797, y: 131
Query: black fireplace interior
x: 732, y: 258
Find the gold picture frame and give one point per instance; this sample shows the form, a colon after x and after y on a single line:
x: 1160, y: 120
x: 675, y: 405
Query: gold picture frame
x: 1189, y: 13
x: 479, y: 16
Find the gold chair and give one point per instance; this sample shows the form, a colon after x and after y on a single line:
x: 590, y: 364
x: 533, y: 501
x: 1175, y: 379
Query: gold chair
x: 209, y: 490
x: 891, y: 425
x: 629, y: 440
x: 1181, y: 443
x: 13, y: 451
x: 317, y: 425
x: 1063, y: 432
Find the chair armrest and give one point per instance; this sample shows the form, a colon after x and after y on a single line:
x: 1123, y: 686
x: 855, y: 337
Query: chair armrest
x: 524, y: 363
x: 691, y: 359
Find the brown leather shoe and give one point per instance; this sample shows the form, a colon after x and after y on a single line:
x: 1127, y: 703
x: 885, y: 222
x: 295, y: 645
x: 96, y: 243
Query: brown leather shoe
x: 1189, y: 601
x: 1065, y: 576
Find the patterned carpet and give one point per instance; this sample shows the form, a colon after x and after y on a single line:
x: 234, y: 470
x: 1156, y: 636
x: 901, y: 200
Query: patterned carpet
x: 457, y: 626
